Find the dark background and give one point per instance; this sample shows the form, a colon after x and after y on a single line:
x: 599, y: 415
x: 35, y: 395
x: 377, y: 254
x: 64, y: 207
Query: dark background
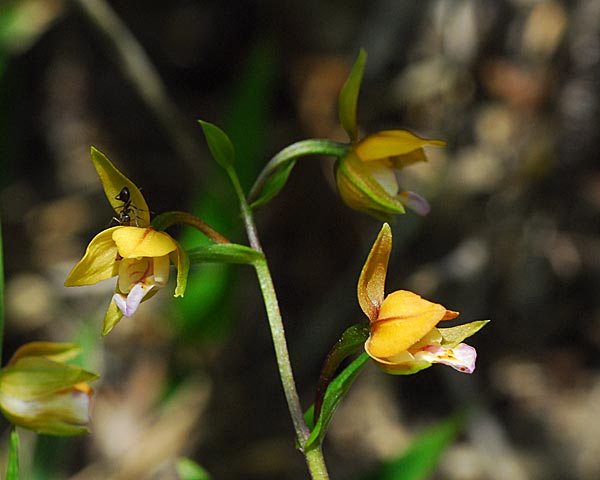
x: 512, y: 236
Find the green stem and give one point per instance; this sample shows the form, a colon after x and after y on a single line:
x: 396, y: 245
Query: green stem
x: 312, y: 146
x: 314, y: 457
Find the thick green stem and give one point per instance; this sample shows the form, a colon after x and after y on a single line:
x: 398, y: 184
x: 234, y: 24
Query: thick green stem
x: 314, y: 457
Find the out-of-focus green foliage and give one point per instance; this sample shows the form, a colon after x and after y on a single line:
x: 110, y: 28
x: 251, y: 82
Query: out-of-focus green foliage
x: 421, y: 458
x: 190, y: 470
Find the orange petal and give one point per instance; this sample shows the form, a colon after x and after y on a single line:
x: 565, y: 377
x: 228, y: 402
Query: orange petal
x: 404, y: 319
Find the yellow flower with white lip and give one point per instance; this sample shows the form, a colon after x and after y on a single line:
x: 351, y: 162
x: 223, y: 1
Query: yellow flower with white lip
x: 139, y: 255
x: 38, y: 391
x: 404, y: 337
x: 366, y: 175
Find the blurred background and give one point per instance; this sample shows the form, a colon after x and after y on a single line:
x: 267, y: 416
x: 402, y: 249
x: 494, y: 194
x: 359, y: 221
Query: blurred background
x: 512, y: 85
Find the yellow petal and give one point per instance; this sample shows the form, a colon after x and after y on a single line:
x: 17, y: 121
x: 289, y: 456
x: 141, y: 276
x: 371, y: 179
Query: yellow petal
x: 98, y: 263
x: 371, y: 282
x: 384, y: 175
x: 135, y: 270
x: 135, y: 242
x: 404, y: 319
x: 113, y: 182
x: 403, y: 161
x: 391, y: 143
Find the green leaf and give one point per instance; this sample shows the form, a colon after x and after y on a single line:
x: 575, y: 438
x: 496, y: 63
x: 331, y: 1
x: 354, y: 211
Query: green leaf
x: 421, y: 458
x: 224, y: 253
x: 350, y: 341
x: 336, y: 391
x: 12, y: 471
x: 276, y: 173
x: 190, y: 470
x: 348, y: 98
x: 274, y: 183
x: 219, y: 144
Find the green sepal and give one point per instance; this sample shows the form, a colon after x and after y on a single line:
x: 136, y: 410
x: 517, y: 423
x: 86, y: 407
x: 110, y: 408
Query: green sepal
x: 12, y: 470
x: 348, y: 98
x: 276, y: 173
x: 336, y: 391
x: 362, y: 192
x: 113, y: 182
x: 351, y: 340
x: 219, y: 144
x: 58, y: 352
x: 181, y: 259
x: 424, y: 453
x: 190, y: 470
x: 112, y: 317
x: 32, y: 377
x: 452, y: 336
x: 224, y: 253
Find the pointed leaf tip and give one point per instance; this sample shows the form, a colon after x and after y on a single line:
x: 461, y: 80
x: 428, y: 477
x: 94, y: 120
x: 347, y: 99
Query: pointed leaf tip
x: 219, y: 144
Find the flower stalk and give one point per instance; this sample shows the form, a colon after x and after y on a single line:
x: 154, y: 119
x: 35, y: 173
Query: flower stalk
x: 314, y: 456
x: 168, y: 219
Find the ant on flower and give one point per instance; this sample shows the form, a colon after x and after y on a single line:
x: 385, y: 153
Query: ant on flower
x: 127, y: 209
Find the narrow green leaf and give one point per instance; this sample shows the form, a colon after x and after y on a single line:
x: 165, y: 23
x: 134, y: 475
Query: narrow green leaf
x: 274, y: 183
x: 276, y: 173
x: 190, y: 470
x: 219, y: 144
x: 348, y: 98
x: 336, y: 391
x: 423, y: 455
x: 12, y: 471
x: 350, y: 341
x: 224, y: 253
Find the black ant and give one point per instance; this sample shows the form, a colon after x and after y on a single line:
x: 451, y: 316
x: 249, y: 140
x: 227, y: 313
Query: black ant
x: 126, y: 209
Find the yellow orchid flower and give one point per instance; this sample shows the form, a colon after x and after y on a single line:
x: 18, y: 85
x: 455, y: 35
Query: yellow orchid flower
x: 404, y: 337
x: 366, y: 175
x: 138, y: 254
x: 38, y: 391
